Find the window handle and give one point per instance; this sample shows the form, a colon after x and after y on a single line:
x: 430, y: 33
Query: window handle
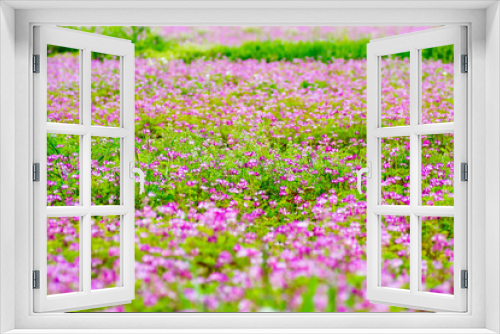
x: 139, y: 171
x: 368, y: 171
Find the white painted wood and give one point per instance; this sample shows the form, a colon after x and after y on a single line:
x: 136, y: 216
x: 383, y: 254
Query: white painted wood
x: 461, y: 155
x: 259, y: 331
x: 396, y: 131
x: 128, y: 157
x: 7, y: 167
x: 491, y: 165
x: 76, y: 129
x: 86, y: 298
x: 80, y: 210
x: 421, y: 129
x: 248, y: 4
x: 427, y: 129
x: 414, y: 168
x: 418, y: 210
x: 414, y: 298
x: 373, y: 183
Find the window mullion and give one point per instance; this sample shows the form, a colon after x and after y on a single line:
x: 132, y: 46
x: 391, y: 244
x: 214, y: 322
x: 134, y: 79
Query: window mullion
x: 85, y: 263
x: 432, y: 129
x: 414, y: 169
x: 397, y: 131
x: 108, y: 131
x: 421, y: 211
x: 86, y: 119
x: 86, y: 166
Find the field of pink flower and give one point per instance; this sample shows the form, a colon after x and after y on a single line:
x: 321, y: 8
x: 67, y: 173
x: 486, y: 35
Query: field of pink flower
x: 250, y: 201
x: 236, y: 35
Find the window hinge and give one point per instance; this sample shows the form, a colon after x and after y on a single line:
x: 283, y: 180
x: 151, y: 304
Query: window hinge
x: 36, y: 172
x: 36, y: 279
x: 464, y: 171
x: 36, y: 63
x: 465, y: 64
x: 465, y: 279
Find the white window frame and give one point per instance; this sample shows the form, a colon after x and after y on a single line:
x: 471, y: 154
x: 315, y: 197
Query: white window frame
x: 483, y: 129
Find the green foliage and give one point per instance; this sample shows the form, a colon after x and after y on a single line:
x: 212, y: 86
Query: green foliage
x: 308, y: 297
x: 332, y: 300
x: 443, y: 53
x: 149, y: 43
x: 278, y: 50
x: 145, y: 40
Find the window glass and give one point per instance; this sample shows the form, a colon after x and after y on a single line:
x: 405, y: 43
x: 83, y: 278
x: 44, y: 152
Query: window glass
x: 63, y: 85
x: 395, y: 90
x: 106, y: 90
x: 438, y: 169
x: 63, y: 170
x: 395, y: 261
x: 105, y: 255
x: 395, y: 170
x: 63, y: 255
x: 437, y: 84
x: 437, y: 254
x: 105, y: 187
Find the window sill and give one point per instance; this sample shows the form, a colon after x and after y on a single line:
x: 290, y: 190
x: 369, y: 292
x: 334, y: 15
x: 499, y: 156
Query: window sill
x: 251, y: 331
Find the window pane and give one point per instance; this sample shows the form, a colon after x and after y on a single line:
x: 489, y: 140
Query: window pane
x: 105, y: 256
x: 63, y: 85
x: 395, y: 170
x: 437, y: 85
x: 437, y: 254
x: 437, y: 169
x: 395, y: 243
x: 105, y: 189
x: 63, y: 255
x: 63, y: 170
x: 395, y: 89
x: 105, y: 89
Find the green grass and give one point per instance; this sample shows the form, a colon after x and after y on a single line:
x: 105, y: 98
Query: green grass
x: 149, y: 44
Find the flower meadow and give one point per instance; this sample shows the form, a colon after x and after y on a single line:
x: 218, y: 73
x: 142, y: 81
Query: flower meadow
x: 250, y: 201
x: 235, y: 35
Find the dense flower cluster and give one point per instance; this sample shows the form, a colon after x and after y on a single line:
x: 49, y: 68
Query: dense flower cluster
x: 250, y: 200
x: 234, y: 35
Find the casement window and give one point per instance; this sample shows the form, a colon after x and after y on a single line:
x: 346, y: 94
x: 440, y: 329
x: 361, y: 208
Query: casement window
x: 75, y: 134
x: 473, y: 127
x: 419, y: 128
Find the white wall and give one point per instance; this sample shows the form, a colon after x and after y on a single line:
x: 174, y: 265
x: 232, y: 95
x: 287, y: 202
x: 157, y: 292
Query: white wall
x: 7, y: 160
x: 492, y: 167
x: 181, y: 17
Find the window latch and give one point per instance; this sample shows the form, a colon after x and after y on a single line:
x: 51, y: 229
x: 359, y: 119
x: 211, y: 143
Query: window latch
x: 139, y: 171
x: 368, y: 171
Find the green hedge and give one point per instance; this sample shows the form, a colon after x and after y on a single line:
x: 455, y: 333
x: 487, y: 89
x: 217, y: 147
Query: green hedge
x: 149, y: 44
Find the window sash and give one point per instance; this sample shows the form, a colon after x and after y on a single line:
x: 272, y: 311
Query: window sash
x: 414, y: 298
x: 85, y: 298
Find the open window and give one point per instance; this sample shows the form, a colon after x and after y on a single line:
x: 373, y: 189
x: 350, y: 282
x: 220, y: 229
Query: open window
x: 407, y: 230
x: 84, y: 162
